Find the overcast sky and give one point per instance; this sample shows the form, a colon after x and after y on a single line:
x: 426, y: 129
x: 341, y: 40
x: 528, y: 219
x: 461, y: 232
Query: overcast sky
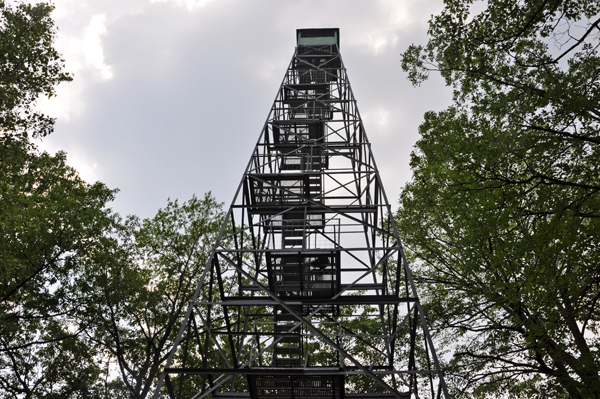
x: 169, y: 97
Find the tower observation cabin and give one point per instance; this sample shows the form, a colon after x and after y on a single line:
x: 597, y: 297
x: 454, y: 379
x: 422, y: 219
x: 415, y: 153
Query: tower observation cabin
x: 307, y: 292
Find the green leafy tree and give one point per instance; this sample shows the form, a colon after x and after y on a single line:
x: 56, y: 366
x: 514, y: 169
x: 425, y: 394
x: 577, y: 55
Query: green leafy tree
x: 30, y: 67
x: 50, y: 219
x: 144, y: 285
x: 503, y: 213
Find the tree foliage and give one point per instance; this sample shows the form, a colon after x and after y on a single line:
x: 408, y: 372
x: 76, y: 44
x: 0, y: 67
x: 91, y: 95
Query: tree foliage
x: 503, y: 212
x: 144, y: 285
x: 30, y: 67
x: 50, y: 219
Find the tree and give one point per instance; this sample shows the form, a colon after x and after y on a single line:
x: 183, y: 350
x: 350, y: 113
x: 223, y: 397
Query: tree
x: 50, y: 219
x: 144, y: 285
x: 502, y: 215
x: 30, y: 67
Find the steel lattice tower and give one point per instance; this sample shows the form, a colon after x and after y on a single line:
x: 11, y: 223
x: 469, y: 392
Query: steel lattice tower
x: 307, y: 293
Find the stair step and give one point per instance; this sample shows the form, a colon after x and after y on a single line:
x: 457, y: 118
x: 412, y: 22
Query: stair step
x: 296, y: 232
x: 288, y: 289
x: 285, y: 362
x: 284, y: 328
x: 290, y: 340
x: 293, y: 242
x: 285, y: 317
x: 287, y: 350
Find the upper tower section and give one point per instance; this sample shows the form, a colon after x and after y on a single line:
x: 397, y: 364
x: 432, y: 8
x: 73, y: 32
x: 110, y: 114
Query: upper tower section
x: 317, y: 56
x: 318, y: 37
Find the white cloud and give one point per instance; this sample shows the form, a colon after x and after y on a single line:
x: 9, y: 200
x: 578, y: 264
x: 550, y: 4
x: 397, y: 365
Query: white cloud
x: 378, y: 116
x: 91, y: 46
x: 390, y: 19
x: 66, y: 102
x: 83, y: 53
x: 189, y: 4
x: 398, y: 12
x: 87, y: 170
x: 380, y: 41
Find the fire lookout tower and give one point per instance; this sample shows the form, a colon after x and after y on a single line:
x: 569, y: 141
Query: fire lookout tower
x: 307, y: 292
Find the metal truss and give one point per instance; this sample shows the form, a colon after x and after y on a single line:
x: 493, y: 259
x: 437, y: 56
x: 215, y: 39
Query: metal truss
x: 307, y: 293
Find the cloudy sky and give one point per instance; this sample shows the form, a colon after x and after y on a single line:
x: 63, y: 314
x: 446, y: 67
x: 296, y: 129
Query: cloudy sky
x: 170, y: 96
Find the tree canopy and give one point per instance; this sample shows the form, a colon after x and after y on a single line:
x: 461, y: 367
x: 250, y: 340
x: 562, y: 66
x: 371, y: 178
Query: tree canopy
x: 502, y: 215
x: 30, y: 67
x: 50, y: 219
x: 143, y: 286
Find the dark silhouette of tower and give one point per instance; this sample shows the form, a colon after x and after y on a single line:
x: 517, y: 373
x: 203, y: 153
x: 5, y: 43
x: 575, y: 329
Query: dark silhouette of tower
x: 307, y: 293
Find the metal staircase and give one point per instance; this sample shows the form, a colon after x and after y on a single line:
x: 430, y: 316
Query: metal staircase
x: 307, y: 293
